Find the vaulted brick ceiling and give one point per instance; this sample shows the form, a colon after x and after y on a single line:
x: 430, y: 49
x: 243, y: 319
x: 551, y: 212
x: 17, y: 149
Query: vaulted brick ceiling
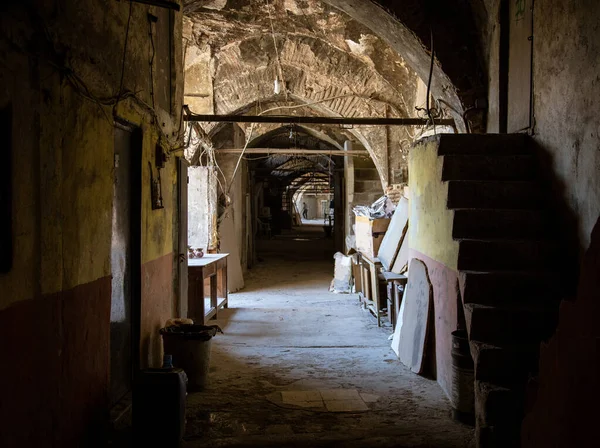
x: 406, y: 27
x: 337, y: 57
x: 318, y: 50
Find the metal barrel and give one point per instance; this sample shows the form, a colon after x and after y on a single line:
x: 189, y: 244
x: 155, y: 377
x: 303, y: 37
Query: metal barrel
x: 463, y: 379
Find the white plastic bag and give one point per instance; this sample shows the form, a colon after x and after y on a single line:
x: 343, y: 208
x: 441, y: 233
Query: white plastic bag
x: 342, y: 278
x: 381, y: 208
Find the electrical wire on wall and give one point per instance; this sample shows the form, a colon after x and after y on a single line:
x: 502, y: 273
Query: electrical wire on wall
x: 208, y: 151
x: 120, y: 91
x: 152, y: 19
x: 429, y: 81
x: 60, y: 63
x: 436, y: 111
x: 237, y: 165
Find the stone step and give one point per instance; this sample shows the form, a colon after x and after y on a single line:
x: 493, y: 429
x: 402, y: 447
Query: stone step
x: 497, y: 405
x: 506, y: 287
x: 510, y: 324
x: 494, y: 194
x: 507, y: 255
x: 505, y: 365
x: 489, y: 167
x: 483, y: 144
x: 492, y: 223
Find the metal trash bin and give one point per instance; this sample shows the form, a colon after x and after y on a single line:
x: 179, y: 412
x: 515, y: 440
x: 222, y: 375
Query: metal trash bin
x: 189, y: 345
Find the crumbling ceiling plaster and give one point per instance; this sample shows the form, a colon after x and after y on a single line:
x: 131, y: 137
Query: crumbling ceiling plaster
x: 329, y: 57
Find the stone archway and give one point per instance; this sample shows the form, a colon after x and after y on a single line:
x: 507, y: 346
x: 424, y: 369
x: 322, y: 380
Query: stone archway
x: 407, y: 27
x: 332, y: 63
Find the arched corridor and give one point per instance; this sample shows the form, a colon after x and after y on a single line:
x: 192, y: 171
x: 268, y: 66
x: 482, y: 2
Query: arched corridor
x: 300, y: 366
x: 137, y: 132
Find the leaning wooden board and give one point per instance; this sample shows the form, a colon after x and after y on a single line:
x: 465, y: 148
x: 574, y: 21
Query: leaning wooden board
x: 398, y: 329
x: 415, y: 319
x: 403, y: 253
x: 393, y: 236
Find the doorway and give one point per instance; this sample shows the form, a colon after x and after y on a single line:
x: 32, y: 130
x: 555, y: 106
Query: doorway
x: 125, y: 261
x: 182, y: 263
x: 517, y: 17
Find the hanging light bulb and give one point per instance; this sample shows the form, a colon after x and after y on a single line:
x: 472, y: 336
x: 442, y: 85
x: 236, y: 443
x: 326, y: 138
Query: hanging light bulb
x: 276, y: 86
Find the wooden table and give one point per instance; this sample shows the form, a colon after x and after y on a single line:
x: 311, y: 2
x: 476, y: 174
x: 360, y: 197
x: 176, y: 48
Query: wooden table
x: 369, y: 294
x: 395, y: 289
x: 214, y: 268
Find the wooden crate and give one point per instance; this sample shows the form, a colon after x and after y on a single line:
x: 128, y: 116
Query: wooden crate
x: 369, y: 234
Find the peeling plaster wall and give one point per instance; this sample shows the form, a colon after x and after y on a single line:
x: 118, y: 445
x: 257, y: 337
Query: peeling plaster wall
x: 430, y: 240
x: 566, y: 128
x: 430, y: 229
x: 198, y: 74
x: 565, y: 85
x: 55, y: 301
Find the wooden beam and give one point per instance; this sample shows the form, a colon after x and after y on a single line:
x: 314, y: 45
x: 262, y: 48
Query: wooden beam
x: 294, y: 151
x: 295, y: 170
x: 348, y: 121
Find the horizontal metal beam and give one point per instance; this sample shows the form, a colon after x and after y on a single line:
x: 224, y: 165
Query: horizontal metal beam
x: 293, y: 151
x: 355, y: 121
x: 160, y: 3
x: 296, y: 170
x: 310, y: 182
x: 197, y: 95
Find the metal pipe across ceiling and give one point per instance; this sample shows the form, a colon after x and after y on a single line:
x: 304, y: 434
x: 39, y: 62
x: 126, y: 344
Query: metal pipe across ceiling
x: 293, y: 151
x: 348, y: 121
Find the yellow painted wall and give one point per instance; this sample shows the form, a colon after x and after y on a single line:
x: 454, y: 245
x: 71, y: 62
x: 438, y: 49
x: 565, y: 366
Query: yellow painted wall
x: 430, y: 229
x: 430, y: 240
x: 64, y: 142
x: 61, y: 68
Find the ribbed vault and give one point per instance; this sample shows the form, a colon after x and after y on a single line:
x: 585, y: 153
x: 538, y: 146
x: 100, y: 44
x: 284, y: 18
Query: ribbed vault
x: 332, y: 57
x: 287, y: 168
x: 405, y: 26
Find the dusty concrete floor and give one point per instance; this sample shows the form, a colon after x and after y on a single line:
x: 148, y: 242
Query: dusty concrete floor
x: 286, y: 332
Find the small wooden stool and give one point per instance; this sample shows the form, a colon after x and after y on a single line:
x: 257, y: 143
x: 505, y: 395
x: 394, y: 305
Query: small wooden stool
x: 395, y: 289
